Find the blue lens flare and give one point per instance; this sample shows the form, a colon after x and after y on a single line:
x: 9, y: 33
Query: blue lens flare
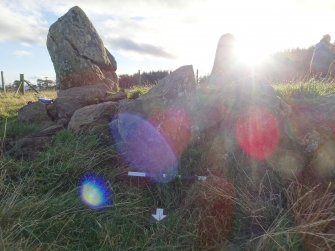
x: 144, y: 147
x: 94, y: 193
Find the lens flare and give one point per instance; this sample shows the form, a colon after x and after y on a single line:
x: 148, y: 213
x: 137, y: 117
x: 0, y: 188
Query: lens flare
x: 257, y: 132
x: 174, y: 125
x: 144, y: 147
x: 95, y: 193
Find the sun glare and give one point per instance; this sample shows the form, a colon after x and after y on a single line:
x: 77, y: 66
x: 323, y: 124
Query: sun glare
x: 251, y: 54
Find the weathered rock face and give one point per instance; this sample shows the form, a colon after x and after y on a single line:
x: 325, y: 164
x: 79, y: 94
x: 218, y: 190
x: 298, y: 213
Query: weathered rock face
x: 312, y: 126
x: 78, y: 53
x: 176, y: 87
x: 35, y: 113
x: 171, y: 95
x: 93, y: 117
x: 70, y: 100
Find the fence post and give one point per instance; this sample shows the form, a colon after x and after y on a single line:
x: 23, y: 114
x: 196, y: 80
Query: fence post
x: 21, y: 86
x: 3, y: 82
x: 139, y: 77
x: 197, y: 77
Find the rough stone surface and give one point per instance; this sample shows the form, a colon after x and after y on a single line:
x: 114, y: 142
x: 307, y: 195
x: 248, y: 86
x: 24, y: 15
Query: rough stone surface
x: 78, y: 53
x: 171, y: 95
x: 35, y: 113
x: 70, y: 100
x: 179, y: 85
x: 117, y: 96
x: 93, y: 117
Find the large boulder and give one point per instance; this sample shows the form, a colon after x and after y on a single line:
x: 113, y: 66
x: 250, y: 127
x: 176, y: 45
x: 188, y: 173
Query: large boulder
x: 172, y: 94
x: 35, y: 113
x: 312, y: 126
x: 70, y: 100
x: 93, y: 118
x: 78, y: 53
x: 179, y: 85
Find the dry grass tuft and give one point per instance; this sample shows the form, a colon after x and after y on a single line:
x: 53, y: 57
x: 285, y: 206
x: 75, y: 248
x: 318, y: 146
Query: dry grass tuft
x: 314, y: 214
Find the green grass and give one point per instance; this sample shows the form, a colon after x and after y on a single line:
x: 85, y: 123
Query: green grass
x: 137, y: 91
x: 11, y: 102
x: 309, y: 89
x: 40, y: 207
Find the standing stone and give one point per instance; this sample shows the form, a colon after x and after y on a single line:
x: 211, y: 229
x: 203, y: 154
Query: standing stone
x: 227, y: 68
x: 78, y: 53
x: 225, y: 54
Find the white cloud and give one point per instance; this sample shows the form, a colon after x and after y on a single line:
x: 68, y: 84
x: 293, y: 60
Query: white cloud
x: 20, y: 26
x: 24, y: 44
x: 187, y: 29
x: 140, y: 48
x: 22, y: 53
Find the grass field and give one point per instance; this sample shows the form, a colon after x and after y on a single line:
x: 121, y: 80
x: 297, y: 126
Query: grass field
x: 41, y: 208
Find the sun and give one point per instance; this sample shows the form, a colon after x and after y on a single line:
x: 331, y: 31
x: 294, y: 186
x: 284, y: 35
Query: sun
x: 251, y: 54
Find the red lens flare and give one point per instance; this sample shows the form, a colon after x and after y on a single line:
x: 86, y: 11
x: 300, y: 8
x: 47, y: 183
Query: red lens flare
x: 257, y: 132
x: 174, y: 125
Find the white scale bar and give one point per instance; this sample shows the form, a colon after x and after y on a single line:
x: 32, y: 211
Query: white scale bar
x: 136, y: 174
x: 142, y: 174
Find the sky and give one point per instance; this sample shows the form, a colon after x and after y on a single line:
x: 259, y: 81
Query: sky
x: 162, y: 35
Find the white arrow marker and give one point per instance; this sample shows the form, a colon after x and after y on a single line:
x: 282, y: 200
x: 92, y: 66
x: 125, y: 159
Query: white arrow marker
x: 136, y: 174
x: 159, y: 214
x: 203, y: 178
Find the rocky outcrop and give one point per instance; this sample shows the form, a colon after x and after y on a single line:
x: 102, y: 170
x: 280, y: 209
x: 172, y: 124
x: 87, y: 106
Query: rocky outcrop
x: 78, y: 53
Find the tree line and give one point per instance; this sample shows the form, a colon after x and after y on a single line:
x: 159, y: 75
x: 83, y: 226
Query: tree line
x: 286, y: 66
x: 141, y: 78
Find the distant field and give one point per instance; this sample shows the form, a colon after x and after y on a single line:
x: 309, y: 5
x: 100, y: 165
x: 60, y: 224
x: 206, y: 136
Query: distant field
x: 40, y: 206
x: 10, y: 102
